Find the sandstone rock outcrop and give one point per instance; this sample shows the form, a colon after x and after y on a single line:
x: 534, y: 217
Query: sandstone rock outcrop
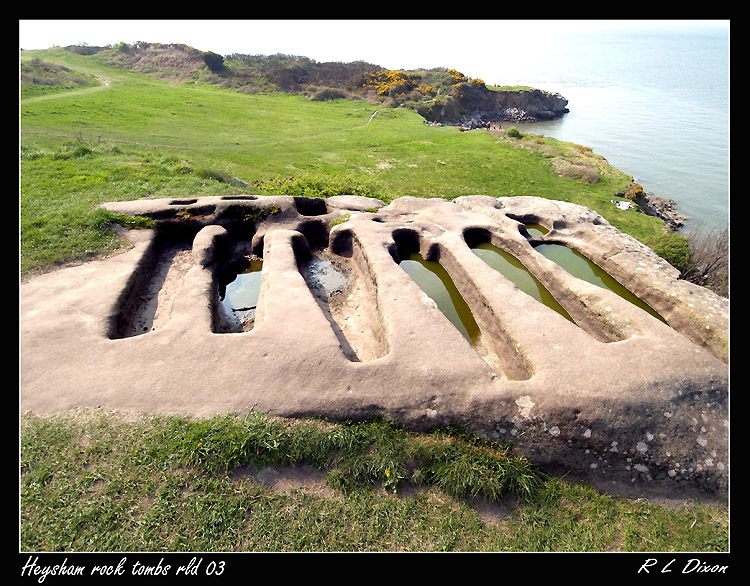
x: 613, y: 393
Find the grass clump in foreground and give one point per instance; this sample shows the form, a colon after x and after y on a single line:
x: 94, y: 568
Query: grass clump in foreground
x: 93, y: 482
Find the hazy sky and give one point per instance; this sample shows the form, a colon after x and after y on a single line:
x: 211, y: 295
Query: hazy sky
x: 393, y: 44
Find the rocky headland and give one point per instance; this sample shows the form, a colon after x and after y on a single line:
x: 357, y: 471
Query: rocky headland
x: 483, y: 108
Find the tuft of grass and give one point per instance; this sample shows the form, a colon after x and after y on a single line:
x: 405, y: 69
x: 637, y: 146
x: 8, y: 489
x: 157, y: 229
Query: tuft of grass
x: 372, y: 453
x: 340, y: 220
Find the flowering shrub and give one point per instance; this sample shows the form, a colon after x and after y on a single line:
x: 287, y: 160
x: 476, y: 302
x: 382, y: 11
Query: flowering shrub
x: 456, y: 76
x: 398, y: 84
x: 461, y: 85
x: 389, y: 83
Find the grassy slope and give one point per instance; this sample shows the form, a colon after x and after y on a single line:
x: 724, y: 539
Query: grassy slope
x: 132, y: 120
x: 257, y: 136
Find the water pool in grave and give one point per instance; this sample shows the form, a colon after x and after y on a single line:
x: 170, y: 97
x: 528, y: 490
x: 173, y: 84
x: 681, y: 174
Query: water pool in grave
x: 580, y: 266
x: 536, y: 230
x: 239, y: 290
x: 514, y: 270
x: 435, y: 281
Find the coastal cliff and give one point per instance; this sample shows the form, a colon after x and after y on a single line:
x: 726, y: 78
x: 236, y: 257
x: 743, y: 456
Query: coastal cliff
x: 482, y: 107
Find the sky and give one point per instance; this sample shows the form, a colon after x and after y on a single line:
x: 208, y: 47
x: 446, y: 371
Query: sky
x: 390, y: 43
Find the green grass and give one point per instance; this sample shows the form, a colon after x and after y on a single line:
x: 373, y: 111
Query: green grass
x: 96, y: 483
x: 93, y: 482
x: 136, y: 137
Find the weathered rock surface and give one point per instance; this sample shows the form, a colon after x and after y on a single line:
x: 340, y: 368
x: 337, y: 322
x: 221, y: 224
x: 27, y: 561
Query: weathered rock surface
x: 618, y: 395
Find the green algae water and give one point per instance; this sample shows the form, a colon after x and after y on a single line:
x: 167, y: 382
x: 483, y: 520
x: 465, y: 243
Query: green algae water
x: 535, y: 230
x: 510, y: 267
x: 435, y: 281
x: 579, y: 266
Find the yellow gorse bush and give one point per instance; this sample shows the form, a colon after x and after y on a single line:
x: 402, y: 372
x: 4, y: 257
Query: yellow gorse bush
x: 457, y: 76
x: 389, y: 82
x: 397, y: 81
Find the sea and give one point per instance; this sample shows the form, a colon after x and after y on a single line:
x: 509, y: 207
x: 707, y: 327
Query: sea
x: 653, y: 102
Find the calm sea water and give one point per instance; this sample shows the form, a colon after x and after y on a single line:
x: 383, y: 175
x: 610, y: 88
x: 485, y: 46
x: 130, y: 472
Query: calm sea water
x: 655, y: 104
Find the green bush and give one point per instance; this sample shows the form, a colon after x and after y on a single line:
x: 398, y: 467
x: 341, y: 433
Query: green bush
x: 513, y: 132
x: 673, y: 248
x: 214, y: 61
x: 327, y: 94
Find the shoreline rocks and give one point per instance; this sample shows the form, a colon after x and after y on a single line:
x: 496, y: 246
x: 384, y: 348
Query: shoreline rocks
x: 663, y: 209
x: 528, y: 107
x: 653, y: 205
x: 482, y: 120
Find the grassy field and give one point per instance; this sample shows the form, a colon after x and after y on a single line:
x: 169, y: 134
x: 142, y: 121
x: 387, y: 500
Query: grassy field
x: 93, y: 483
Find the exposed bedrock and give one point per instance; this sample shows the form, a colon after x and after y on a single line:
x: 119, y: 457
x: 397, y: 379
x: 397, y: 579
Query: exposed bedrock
x: 606, y: 390
x: 487, y: 107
